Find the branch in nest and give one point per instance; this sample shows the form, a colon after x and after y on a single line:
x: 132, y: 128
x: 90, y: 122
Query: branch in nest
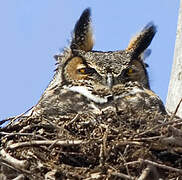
x: 121, y: 175
x: 148, y: 139
x: 154, y: 164
x: 132, y: 163
x: 160, y: 165
x: 174, y: 131
x: 172, y: 141
x: 7, y: 135
x: 103, y: 148
x: 176, y: 110
x: 170, y: 121
x: 158, y: 126
x: 19, y: 164
x: 149, y: 172
x: 20, y: 177
x: 123, y: 143
x: 14, y: 118
x: 45, y: 143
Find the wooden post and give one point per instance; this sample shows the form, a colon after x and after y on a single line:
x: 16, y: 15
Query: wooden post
x: 175, y: 86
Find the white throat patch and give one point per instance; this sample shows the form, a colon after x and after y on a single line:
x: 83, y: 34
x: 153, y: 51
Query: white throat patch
x: 96, y: 98
x: 85, y: 92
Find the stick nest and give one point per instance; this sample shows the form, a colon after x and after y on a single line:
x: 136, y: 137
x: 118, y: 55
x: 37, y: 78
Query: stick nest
x: 140, y: 145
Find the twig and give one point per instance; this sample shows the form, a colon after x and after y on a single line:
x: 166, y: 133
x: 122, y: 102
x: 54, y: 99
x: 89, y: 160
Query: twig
x: 74, y: 119
x: 9, y: 119
x: 176, y: 110
x: 121, y: 175
x: 51, y: 174
x: 61, y: 128
x: 154, y: 164
x: 25, y: 128
x: 174, y: 131
x: 160, y: 165
x: 96, y: 175
x: 172, y: 141
x: 145, y: 173
x: 45, y: 142
x: 19, y: 164
x: 157, y: 127
x: 123, y: 143
x: 125, y: 150
x: 53, y: 144
x: 20, y: 134
x: 177, y: 124
x: 122, y: 156
x: 3, y: 121
x: 148, y: 138
x: 20, y: 177
x: 101, y: 155
x: 103, y: 148
x: 5, y: 164
x: 35, y: 126
x: 52, y: 124
x: 22, y: 171
x: 132, y: 163
x: 18, y: 116
x: 149, y: 172
x: 164, y: 124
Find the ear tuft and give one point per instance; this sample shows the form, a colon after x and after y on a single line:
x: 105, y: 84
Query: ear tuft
x: 142, y: 40
x: 82, y: 36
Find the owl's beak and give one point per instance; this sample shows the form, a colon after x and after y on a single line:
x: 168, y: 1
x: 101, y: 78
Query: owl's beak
x: 109, y: 80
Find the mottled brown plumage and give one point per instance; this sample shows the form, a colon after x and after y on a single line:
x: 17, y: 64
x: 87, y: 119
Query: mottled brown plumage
x: 91, y: 81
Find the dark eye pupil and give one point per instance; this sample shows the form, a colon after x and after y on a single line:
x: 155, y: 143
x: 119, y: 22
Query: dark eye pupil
x: 125, y: 73
x: 87, y: 70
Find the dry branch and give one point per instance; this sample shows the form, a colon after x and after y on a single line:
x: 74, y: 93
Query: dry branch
x: 174, y: 131
x: 172, y: 141
x: 20, y: 177
x: 121, y: 175
x: 149, y: 172
x: 19, y: 164
x: 45, y: 143
x: 162, y: 166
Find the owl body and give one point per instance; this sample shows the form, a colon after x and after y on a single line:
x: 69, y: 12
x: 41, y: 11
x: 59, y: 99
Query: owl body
x: 88, y: 81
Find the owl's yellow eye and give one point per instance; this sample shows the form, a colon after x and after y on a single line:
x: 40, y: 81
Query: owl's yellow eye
x: 86, y: 70
x: 82, y: 70
x: 130, y: 71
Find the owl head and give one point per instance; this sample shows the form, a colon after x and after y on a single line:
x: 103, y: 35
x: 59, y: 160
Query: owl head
x: 80, y: 65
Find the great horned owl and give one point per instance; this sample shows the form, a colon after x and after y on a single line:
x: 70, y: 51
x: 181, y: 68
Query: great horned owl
x: 94, y: 81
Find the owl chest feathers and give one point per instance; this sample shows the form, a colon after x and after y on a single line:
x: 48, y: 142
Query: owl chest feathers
x: 79, y: 99
x: 118, y: 99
